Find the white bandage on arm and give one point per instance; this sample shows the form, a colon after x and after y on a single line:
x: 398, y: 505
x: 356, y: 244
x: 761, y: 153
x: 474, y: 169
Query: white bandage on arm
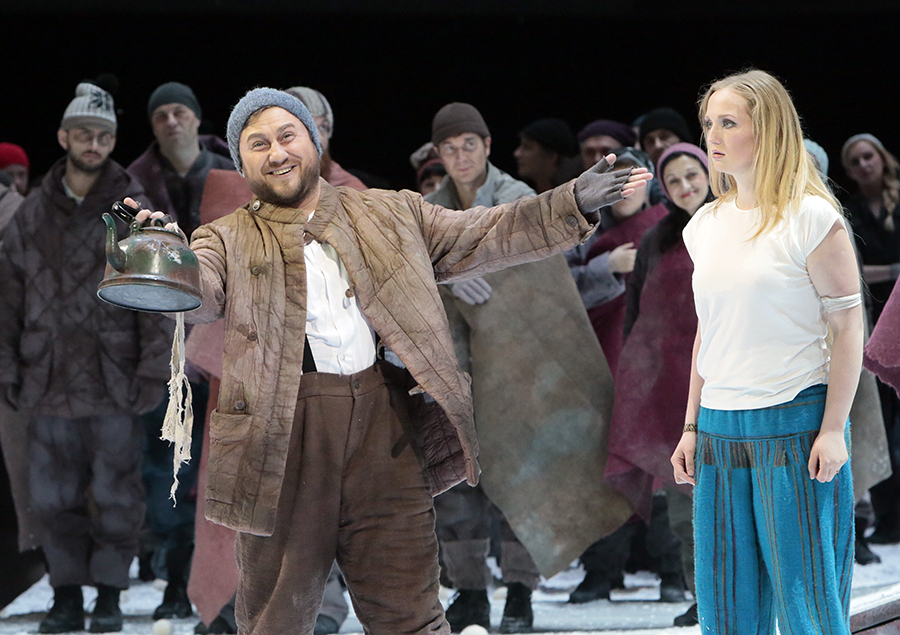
x: 839, y: 304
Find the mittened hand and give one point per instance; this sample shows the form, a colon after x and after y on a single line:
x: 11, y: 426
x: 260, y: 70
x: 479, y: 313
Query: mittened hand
x: 601, y: 186
x: 472, y: 292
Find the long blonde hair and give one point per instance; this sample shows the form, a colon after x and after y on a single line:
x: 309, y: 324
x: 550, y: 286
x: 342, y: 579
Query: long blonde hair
x: 783, y: 168
x: 890, y: 177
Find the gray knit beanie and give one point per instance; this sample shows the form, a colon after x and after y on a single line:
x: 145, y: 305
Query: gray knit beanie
x: 455, y: 119
x: 92, y: 106
x: 315, y: 103
x: 818, y: 153
x: 258, y: 99
x: 173, y: 93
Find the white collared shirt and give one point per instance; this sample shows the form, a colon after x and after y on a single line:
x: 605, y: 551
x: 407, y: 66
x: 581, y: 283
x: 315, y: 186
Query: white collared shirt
x: 341, y: 340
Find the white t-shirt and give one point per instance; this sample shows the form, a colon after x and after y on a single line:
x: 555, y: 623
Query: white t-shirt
x: 762, y: 325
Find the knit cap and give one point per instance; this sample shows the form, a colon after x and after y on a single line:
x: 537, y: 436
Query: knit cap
x: 92, y: 106
x: 819, y: 154
x: 618, y: 131
x: 553, y: 134
x: 11, y: 154
x: 455, y: 119
x: 173, y: 93
x: 633, y: 155
x: 315, y: 103
x: 258, y: 99
x: 673, y: 150
x: 668, y: 119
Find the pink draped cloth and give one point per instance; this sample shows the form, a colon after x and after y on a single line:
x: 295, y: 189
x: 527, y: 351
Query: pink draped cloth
x: 214, y: 572
x: 882, y: 352
x: 652, y: 382
x: 608, y: 319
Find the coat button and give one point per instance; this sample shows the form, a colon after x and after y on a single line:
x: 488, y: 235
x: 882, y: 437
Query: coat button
x: 571, y: 221
x: 239, y: 405
x: 252, y: 336
x: 356, y: 385
x: 349, y: 292
x: 256, y: 270
x: 255, y: 206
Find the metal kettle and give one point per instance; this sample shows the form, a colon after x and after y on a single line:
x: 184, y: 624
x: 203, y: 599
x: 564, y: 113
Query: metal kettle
x: 150, y: 270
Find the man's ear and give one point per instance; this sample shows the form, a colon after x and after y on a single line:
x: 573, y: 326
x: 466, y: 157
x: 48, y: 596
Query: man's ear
x: 487, y: 146
x: 63, y: 137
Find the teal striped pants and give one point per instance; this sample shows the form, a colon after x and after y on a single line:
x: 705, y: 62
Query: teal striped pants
x: 769, y: 541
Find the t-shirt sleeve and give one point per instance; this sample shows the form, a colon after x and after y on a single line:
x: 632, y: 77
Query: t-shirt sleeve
x: 688, y: 234
x: 817, y: 217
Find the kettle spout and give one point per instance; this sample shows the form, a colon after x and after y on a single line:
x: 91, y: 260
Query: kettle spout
x: 115, y: 256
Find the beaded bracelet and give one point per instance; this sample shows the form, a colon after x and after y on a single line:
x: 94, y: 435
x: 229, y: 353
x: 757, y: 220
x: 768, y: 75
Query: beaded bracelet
x: 690, y: 427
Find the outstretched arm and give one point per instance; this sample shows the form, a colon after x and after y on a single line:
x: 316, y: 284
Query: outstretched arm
x: 480, y: 240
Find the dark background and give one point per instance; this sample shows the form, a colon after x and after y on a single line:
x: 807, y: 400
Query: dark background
x: 387, y: 66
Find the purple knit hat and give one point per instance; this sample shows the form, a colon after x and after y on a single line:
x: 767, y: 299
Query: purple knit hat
x: 618, y: 131
x: 679, y: 148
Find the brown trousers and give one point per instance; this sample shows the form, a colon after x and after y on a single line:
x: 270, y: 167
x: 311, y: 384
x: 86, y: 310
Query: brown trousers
x: 353, y: 491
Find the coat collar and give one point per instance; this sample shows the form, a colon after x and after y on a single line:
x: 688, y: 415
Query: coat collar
x: 328, y: 206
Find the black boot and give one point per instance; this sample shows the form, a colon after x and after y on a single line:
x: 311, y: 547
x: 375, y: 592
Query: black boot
x: 862, y: 554
x: 175, y: 602
x: 67, y: 612
x: 517, y: 614
x: 671, y: 587
x: 689, y: 617
x: 107, y: 616
x: 595, y: 586
x: 470, y: 606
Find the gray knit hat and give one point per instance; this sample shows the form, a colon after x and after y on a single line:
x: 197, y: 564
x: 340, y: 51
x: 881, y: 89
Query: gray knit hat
x: 316, y: 103
x: 173, y: 93
x: 92, y: 106
x: 818, y: 153
x: 258, y: 99
x: 455, y: 119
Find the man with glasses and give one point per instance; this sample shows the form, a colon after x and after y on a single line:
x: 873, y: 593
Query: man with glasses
x: 509, y: 328
x: 79, y: 368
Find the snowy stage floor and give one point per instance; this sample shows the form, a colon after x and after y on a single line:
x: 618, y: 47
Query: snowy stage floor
x: 633, y: 610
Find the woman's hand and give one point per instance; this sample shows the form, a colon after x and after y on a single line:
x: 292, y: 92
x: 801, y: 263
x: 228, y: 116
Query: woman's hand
x: 828, y: 455
x: 683, y: 458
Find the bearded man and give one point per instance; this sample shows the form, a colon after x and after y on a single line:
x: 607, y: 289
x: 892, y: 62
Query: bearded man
x: 319, y: 449
x: 81, y: 369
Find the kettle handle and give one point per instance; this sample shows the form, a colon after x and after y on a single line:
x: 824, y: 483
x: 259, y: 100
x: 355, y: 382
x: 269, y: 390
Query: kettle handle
x: 126, y: 214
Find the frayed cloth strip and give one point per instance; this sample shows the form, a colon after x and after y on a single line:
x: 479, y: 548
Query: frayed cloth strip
x: 179, y: 420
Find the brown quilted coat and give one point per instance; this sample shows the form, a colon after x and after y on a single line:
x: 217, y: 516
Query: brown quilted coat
x: 63, y: 351
x: 395, y: 247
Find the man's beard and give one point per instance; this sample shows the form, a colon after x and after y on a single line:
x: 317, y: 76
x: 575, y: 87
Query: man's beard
x: 85, y: 167
x: 307, y: 184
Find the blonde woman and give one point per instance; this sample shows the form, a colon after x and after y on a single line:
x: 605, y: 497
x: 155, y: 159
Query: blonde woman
x: 766, y: 432
x: 874, y: 212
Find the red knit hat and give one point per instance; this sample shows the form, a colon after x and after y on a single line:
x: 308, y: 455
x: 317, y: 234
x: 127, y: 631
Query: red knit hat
x: 11, y: 154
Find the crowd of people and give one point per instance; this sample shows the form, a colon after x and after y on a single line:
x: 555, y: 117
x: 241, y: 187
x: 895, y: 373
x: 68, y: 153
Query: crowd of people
x: 566, y: 326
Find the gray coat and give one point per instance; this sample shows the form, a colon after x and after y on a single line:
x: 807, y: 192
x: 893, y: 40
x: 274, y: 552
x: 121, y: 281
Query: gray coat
x: 543, y: 397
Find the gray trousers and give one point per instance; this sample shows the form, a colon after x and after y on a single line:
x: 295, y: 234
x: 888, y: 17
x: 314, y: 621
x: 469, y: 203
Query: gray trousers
x: 463, y: 523
x: 681, y: 520
x: 333, y: 603
x: 85, y: 477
